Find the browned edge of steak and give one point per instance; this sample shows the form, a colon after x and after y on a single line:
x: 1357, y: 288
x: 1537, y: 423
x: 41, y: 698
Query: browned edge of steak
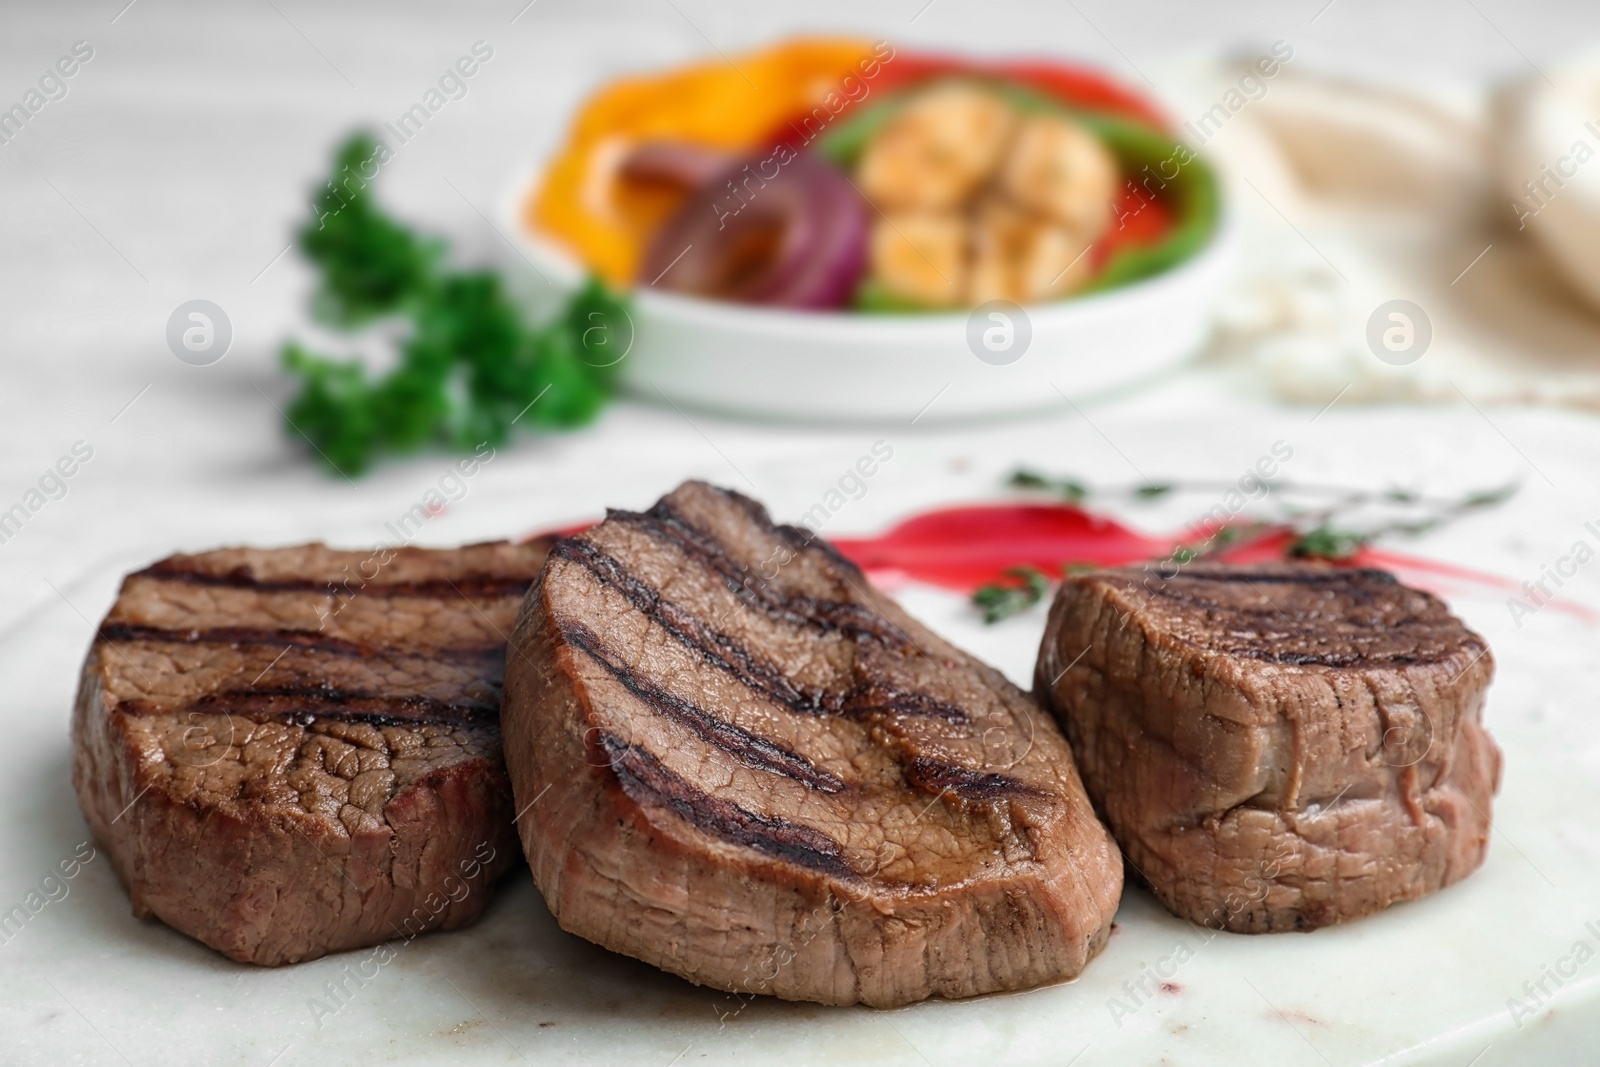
x: 696, y: 756
x: 285, y: 773
x: 1275, y: 746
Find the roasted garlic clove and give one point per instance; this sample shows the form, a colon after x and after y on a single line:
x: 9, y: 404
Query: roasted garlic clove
x: 921, y: 257
x: 936, y: 152
x: 1061, y: 171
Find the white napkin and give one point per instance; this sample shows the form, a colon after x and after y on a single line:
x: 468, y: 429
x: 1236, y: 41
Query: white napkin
x: 1351, y: 196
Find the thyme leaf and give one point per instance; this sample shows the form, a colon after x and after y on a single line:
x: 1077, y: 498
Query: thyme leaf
x: 1330, y: 530
x: 1001, y: 600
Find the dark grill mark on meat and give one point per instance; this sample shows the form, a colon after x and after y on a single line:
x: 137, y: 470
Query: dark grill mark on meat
x: 645, y: 778
x: 312, y: 640
x: 1317, y: 616
x: 723, y: 652
x: 305, y: 705
x: 1328, y: 659
x: 1364, y: 779
x: 934, y: 864
x: 748, y: 748
x: 480, y: 586
x: 931, y: 775
x: 665, y: 524
x: 1337, y: 577
x: 881, y: 698
x: 714, y: 647
x: 222, y: 740
x: 796, y: 537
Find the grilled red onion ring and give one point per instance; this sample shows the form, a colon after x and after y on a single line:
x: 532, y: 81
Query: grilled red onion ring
x: 796, y: 238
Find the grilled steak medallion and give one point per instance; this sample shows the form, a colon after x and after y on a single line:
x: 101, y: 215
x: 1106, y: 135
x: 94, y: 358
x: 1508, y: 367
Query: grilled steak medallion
x: 1275, y: 747
x: 741, y: 764
x: 289, y: 752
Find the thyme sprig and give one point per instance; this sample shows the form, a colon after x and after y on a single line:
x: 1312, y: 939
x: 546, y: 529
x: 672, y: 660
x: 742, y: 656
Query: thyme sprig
x: 1328, y: 531
x: 1025, y: 587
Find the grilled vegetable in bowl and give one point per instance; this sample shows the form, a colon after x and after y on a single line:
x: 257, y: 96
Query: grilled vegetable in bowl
x: 1072, y: 201
x: 826, y: 229
x: 801, y: 244
x: 996, y: 204
x: 862, y: 180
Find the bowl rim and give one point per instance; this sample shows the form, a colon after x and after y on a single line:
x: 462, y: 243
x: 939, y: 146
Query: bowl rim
x: 559, y: 266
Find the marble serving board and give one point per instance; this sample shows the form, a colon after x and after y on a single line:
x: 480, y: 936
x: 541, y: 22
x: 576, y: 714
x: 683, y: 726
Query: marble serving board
x: 1469, y: 973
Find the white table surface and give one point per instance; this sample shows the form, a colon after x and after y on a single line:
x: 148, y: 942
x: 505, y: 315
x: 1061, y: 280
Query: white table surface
x: 174, y: 169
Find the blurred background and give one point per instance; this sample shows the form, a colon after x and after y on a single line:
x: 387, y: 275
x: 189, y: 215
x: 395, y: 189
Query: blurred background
x: 1404, y: 152
x: 180, y: 160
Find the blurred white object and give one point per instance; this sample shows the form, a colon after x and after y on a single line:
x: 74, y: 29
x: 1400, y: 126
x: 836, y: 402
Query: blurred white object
x: 1352, y: 197
x: 843, y: 366
x: 1548, y: 140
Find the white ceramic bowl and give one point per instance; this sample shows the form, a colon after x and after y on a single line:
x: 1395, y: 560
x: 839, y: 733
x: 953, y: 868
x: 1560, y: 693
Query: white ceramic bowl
x: 845, y: 367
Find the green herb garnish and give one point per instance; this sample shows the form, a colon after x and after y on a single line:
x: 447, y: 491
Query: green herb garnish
x: 1001, y: 600
x: 1327, y: 542
x: 1066, y: 488
x: 1333, y: 531
x: 469, y: 367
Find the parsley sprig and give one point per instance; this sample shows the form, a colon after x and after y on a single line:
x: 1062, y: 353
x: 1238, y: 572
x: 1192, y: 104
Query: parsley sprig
x: 469, y: 368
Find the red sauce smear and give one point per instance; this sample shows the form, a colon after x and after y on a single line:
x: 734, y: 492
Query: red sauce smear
x: 961, y: 548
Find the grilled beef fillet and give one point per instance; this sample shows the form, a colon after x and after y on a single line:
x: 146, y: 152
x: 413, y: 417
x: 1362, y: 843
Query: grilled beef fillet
x: 1275, y: 747
x: 285, y: 758
x: 740, y: 763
